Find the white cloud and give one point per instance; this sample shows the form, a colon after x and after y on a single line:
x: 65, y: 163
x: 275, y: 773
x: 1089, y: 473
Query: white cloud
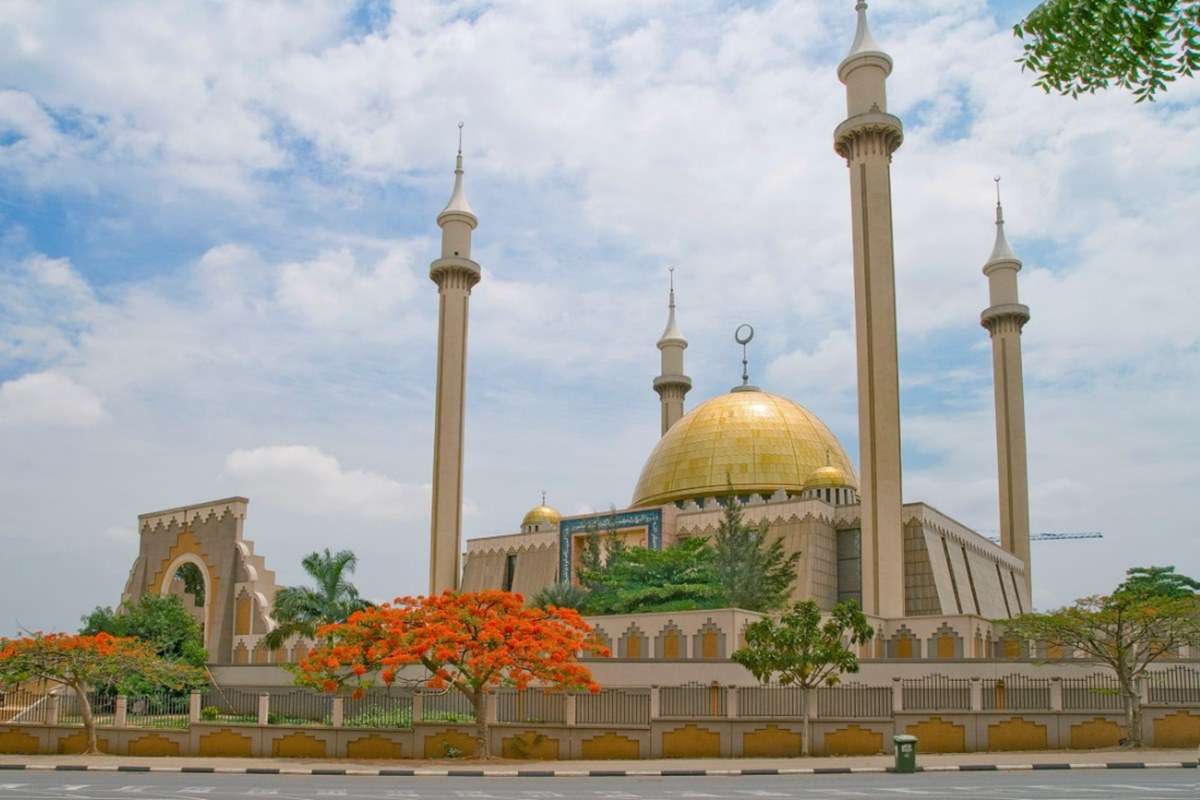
x: 249, y: 194
x: 316, y: 482
x: 48, y: 398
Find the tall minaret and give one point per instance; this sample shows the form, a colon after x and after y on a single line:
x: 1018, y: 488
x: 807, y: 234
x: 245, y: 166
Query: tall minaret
x: 1004, y: 318
x: 454, y: 273
x: 867, y: 139
x: 672, y: 384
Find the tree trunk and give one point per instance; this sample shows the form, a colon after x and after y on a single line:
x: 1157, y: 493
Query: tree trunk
x: 806, y: 733
x: 479, y: 701
x: 89, y: 722
x: 1133, y: 715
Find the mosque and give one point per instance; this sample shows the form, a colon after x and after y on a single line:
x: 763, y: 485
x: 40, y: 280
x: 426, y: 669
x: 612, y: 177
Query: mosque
x: 930, y: 586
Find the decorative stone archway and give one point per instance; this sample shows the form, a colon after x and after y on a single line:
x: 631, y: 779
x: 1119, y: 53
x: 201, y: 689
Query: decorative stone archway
x: 209, y: 591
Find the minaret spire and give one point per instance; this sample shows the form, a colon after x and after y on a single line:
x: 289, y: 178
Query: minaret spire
x: 1004, y: 319
x: 455, y: 274
x: 671, y: 385
x: 866, y: 139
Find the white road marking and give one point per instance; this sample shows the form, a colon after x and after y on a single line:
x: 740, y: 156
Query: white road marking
x: 12, y: 786
x: 195, y: 790
x: 71, y: 787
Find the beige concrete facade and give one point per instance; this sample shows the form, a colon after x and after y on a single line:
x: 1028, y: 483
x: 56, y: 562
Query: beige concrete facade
x: 1004, y: 318
x: 867, y: 139
x: 238, y: 587
x: 454, y: 273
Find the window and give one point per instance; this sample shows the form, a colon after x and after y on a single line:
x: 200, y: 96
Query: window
x: 510, y: 571
x: 849, y: 565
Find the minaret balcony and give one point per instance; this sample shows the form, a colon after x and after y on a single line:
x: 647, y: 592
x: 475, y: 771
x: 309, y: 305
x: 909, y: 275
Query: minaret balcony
x: 1017, y: 313
x: 863, y: 129
x: 462, y: 269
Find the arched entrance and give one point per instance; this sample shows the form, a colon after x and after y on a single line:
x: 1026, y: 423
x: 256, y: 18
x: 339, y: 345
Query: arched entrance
x: 187, y: 577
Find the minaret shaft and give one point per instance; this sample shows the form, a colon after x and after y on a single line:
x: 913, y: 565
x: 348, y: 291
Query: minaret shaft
x: 1004, y: 319
x: 1010, y: 439
x: 454, y: 273
x: 867, y: 139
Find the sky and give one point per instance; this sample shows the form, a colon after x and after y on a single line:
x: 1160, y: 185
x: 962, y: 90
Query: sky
x: 216, y: 222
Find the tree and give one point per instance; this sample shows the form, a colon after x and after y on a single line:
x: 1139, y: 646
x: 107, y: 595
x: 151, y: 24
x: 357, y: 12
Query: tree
x: 471, y: 642
x: 753, y: 573
x: 300, y: 611
x: 1158, y: 582
x: 1128, y: 631
x: 1079, y: 46
x: 159, y: 620
x: 801, y: 650
x: 675, y: 578
x: 561, y: 595
x: 82, y: 663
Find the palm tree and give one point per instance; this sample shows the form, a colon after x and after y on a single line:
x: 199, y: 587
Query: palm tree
x: 300, y: 611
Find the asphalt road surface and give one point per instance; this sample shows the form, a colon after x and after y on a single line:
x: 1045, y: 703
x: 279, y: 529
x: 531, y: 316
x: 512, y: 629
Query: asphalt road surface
x: 1097, y: 784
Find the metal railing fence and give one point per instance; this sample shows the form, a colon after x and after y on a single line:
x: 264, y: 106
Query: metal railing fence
x: 103, y: 705
x: 299, y: 707
x: 770, y: 700
x: 613, y: 707
x: 228, y: 705
x: 24, y: 705
x: 693, y: 700
x: 530, y: 705
x: 1176, y: 686
x: 450, y: 705
x: 163, y: 710
x: 854, y: 700
x: 1016, y: 693
x: 1095, y: 692
x: 935, y: 693
x: 378, y: 708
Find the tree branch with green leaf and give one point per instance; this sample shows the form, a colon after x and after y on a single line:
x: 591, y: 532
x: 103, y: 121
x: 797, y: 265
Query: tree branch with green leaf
x: 1082, y: 46
x: 300, y: 611
x: 803, y: 649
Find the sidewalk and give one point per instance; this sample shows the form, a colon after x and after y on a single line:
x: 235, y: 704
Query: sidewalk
x: 1043, y: 759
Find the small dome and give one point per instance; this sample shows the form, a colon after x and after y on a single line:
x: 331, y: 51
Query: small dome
x: 541, y: 515
x: 826, y: 476
x: 756, y: 441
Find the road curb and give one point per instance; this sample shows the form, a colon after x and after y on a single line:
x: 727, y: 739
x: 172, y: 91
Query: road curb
x: 592, y: 773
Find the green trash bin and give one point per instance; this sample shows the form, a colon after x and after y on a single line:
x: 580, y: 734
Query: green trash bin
x: 906, y: 753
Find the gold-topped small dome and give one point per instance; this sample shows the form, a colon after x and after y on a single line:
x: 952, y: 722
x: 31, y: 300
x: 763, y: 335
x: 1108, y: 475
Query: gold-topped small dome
x: 541, y: 515
x: 756, y: 441
x: 826, y: 476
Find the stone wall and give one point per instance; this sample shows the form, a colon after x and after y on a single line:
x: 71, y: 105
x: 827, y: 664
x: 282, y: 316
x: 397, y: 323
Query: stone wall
x: 937, y: 732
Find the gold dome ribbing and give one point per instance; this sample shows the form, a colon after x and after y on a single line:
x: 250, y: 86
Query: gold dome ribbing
x: 757, y: 441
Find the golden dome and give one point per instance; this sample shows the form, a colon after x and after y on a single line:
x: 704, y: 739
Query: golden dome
x: 827, y: 475
x: 756, y: 441
x: 541, y: 515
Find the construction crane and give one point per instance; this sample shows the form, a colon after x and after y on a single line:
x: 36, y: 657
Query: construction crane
x: 1057, y: 537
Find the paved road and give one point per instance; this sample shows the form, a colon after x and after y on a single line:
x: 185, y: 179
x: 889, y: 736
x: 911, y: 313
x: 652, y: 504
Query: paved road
x: 1144, y: 784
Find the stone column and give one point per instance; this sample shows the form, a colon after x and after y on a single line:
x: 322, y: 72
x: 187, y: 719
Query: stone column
x: 867, y: 139
x: 897, y: 696
x: 194, y: 706
x: 264, y: 709
x: 52, y: 709
x: 1056, y: 694
x: 569, y: 714
x: 121, y: 712
x: 654, y: 703
x: 418, y: 707
x: 976, y: 694
x: 337, y: 712
x: 731, y: 702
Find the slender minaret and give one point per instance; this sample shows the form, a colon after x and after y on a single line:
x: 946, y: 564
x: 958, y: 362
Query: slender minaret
x: 867, y: 139
x: 1004, y: 318
x: 672, y: 384
x: 454, y: 273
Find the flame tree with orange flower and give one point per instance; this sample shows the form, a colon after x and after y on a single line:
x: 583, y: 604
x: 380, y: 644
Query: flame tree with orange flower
x: 472, y: 642
x: 83, y: 663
